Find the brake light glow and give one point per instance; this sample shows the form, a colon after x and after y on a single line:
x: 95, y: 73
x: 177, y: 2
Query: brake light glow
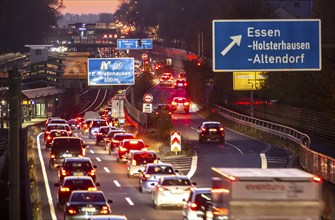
x: 203, y: 129
x: 52, y: 156
x: 133, y: 142
x: 64, y: 172
x: 104, y: 210
x: 122, y: 149
x: 91, y: 173
x: 64, y: 189
x: 221, y: 129
x: 174, y: 103
x: 134, y: 162
x: 71, y: 210
x: 92, y: 189
x: 186, y: 103
x: 317, y: 179
x: 49, y: 138
x: 194, y: 206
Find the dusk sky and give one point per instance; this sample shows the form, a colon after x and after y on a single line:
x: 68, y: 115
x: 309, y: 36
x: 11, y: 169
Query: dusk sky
x: 90, y: 6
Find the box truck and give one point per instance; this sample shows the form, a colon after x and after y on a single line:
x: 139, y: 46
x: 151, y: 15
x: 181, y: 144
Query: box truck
x: 265, y: 194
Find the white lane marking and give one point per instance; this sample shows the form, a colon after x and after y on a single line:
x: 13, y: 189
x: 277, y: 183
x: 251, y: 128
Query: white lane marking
x: 117, y: 183
x: 98, y: 159
x: 193, y: 167
x: 129, y: 201
x: 46, y: 180
x: 92, y: 152
x: 231, y: 145
x: 264, y: 163
x: 107, y: 170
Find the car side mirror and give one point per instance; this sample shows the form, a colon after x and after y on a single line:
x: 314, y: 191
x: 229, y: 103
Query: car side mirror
x: 110, y: 201
x: 140, y: 171
x: 177, y: 171
x: 95, y: 166
x: 147, y: 146
x: 56, y: 184
x: 97, y: 184
x: 85, y: 145
x: 194, y: 183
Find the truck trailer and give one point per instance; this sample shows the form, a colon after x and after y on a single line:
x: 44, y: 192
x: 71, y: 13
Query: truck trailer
x: 265, y: 194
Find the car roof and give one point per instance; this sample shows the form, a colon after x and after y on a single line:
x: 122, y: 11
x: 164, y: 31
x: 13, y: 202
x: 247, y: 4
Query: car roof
x: 74, y: 138
x: 175, y: 177
x: 82, y: 159
x: 158, y: 164
x: 123, y: 134
x: 201, y: 190
x: 143, y: 152
x: 108, y: 217
x: 211, y: 122
x: 57, y: 130
x: 128, y: 140
x: 77, y: 178
x: 86, y: 191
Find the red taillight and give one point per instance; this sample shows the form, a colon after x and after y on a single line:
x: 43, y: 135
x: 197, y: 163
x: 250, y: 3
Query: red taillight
x: 92, y: 189
x: 64, y: 189
x: 91, y: 173
x: 174, y: 103
x: 71, y: 210
x: 122, y: 149
x: 64, y: 172
x: 194, y: 206
x: 52, y: 156
x: 99, y: 134
x: 146, y: 176
x: 49, y: 138
x: 203, y: 129
x: 317, y: 179
x: 186, y: 103
x: 221, y: 129
x: 104, y: 210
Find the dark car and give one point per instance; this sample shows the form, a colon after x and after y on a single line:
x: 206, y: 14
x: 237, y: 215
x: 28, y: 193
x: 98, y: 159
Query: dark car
x: 180, y: 103
x: 77, y: 166
x: 163, y: 111
x: 63, y: 147
x: 71, y: 183
x: 93, y: 128
x: 127, y: 145
x: 52, y: 134
x: 211, y: 131
x: 84, y: 203
x: 117, y: 139
x: 109, y: 137
x: 180, y: 83
x: 101, y: 135
x: 166, y: 79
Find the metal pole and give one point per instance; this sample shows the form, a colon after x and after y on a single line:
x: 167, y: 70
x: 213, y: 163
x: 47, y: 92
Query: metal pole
x: 15, y: 125
x: 252, y: 103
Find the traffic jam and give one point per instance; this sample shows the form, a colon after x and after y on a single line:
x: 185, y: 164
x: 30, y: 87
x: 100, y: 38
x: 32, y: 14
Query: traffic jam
x: 83, y: 189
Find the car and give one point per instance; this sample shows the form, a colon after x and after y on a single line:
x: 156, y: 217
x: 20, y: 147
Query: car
x: 52, y: 126
x: 63, y: 147
x: 52, y: 134
x: 171, y: 191
x: 77, y: 166
x: 180, y: 103
x: 101, y: 135
x: 138, y: 159
x: 74, y: 123
x: 151, y: 174
x: 84, y: 203
x: 117, y: 139
x: 198, y: 205
x: 211, y: 131
x: 50, y: 118
x: 93, y: 127
x: 85, y: 126
x: 180, y: 84
x: 162, y: 111
x: 109, y: 137
x: 126, y: 146
x: 166, y: 79
x: 182, y: 76
x: 71, y: 183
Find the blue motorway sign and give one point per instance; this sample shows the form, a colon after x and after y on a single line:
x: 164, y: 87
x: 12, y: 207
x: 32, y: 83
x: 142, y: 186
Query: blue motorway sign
x: 266, y: 45
x: 133, y: 44
x: 110, y: 71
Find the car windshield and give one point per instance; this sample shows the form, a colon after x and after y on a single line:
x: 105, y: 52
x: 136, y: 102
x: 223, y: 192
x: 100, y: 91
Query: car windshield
x: 212, y: 125
x: 87, y: 197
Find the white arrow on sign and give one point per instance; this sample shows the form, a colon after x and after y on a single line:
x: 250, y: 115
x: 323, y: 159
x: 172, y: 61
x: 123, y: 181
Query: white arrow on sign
x: 236, y: 40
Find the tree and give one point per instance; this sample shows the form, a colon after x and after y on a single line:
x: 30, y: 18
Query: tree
x: 26, y: 22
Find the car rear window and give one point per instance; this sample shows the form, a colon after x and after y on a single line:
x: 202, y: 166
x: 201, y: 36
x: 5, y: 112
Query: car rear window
x: 88, y: 197
x: 78, y: 165
x: 78, y: 184
x: 133, y: 146
x: 145, y: 157
x: 99, y: 123
x: 72, y: 145
x: 160, y: 170
x: 176, y: 182
x: 122, y: 137
x: 104, y: 130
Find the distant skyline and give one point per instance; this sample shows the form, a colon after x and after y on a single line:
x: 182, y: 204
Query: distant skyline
x: 90, y: 6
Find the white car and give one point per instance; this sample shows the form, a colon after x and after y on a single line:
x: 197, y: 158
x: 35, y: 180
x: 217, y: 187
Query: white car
x: 138, y: 160
x: 172, y: 191
x: 198, y: 204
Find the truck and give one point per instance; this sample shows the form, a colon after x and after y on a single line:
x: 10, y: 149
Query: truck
x: 265, y: 194
x: 117, y: 108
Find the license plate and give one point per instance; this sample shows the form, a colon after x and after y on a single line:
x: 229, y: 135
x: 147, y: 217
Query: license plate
x: 88, y: 209
x: 78, y: 174
x: 177, y: 191
x: 180, y: 104
x: 213, y: 130
x: 67, y: 155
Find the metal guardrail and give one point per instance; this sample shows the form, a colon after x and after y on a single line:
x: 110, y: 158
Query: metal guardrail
x: 314, y: 162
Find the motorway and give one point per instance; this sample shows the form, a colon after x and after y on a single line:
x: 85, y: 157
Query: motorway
x: 237, y: 151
